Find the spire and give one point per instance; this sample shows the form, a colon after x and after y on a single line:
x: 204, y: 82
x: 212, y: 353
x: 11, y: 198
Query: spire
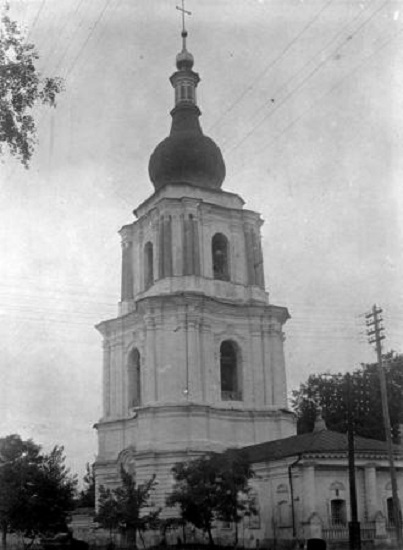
x: 187, y: 155
x: 184, y: 32
x: 184, y: 80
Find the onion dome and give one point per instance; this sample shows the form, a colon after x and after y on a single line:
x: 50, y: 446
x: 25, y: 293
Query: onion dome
x: 184, y: 59
x: 186, y: 156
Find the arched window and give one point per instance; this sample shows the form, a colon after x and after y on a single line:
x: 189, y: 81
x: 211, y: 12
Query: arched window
x: 133, y: 379
x: 338, y: 511
x: 391, y: 512
x: 220, y: 253
x: 254, y: 518
x: 230, y: 372
x: 284, y: 514
x: 148, y: 265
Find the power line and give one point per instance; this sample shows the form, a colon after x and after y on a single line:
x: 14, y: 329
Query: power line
x: 270, y: 65
x: 35, y: 20
x: 322, y: 49
x: 308, y: 77
x: 339, y: 83
x: 68, y: 39
x: 101, y: 14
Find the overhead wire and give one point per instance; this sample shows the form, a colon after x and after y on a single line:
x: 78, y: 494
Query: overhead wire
x: 69, y: 40
x: 32, y: 26
x: 296, y: 89
x: 320, y: 51
x: 270, y: 65
x: 328, y: 92
x: 92, y: 30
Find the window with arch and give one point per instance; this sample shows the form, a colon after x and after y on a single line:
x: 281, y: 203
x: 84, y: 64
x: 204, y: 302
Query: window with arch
x: 231, y: 389
x: 220, y: 257
x: 254, y: 518
x: 391, y: 512
x: 148, y: 265
x: 284, y: 514
x: 338, y: 511
x: 133, y: 379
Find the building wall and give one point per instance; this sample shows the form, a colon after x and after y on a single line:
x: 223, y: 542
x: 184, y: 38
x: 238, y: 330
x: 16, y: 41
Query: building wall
x: 176, y: 324
x: 315, y: 482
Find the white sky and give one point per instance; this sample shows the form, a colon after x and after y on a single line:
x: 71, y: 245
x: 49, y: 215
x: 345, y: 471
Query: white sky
x: 304, y: 99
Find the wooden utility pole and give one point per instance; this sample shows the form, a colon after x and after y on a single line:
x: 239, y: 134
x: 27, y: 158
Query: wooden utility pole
x: 374, y: 321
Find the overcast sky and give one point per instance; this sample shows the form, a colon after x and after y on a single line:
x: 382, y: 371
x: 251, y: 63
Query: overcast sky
x: 304, y: 97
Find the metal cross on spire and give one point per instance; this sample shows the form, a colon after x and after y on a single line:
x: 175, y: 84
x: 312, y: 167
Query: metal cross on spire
x: 184, y: 12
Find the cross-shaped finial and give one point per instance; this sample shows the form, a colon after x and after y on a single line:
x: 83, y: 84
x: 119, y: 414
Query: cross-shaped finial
x: 182, y: 9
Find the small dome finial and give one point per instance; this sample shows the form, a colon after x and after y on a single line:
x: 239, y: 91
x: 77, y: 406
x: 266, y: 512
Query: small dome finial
x: 184, y: 59
x: 184, y: 31
x: 320, y: 423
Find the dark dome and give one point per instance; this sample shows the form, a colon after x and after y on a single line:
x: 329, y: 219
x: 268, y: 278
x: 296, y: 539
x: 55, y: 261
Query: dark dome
x: 187, y: 156
x: 184, y: 60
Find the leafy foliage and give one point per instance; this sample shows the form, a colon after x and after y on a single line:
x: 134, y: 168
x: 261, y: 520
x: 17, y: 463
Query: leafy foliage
x: 36, y: 489
x: 21, y: 88
x: 87, y: 495
x: 213, y: 487
x: 108, y: 510
x: 234, y: 500
x: 329, y: 392
x: 123, y: 508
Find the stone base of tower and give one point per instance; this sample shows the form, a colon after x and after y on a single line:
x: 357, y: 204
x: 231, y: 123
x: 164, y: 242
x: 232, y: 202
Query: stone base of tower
x: 155, y: 438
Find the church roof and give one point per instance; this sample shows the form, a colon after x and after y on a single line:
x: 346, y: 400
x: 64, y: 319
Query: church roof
x: 319, y: 442
x: 186, y: 156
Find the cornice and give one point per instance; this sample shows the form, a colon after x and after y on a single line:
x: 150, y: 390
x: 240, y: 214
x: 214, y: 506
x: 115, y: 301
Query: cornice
x: 194, y: 409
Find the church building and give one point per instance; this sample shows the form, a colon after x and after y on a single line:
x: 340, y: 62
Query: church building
x: 194, y: 361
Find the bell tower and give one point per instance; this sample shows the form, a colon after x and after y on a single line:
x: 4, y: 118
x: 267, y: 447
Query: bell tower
x: 194, y: 360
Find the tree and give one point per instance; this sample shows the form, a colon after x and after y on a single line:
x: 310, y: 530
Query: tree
x: 329, y: 392
x: 213, y: 487
x: 108, y: 515
x: 234, y: 499
x: 36, y: 489
x: 123, y: 508
x: 86, y: 498
x: 19, y: 460
x: 195, y: 493
x: 21, y: 88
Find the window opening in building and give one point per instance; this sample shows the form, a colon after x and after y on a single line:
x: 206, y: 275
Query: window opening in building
x: 220, y: 257
x: 134, y: 379
x: 391, y: 512
x: 230, y: 383
x: 284, y: 514
x: 338, y: 512
x: 254, y: 518
x: 148, y: 265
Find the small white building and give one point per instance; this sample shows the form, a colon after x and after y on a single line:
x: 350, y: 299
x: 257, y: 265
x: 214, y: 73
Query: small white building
x: 302, y: 487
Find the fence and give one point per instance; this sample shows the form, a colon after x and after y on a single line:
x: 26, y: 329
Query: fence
x: 340, y: 532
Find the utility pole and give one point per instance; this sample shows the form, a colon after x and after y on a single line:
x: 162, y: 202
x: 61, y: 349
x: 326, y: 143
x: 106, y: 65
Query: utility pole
x: 354, y: 524
x: 374, y: 331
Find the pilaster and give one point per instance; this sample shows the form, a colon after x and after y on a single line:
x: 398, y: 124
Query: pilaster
x: 371, y: 491
x: 309, y: 489
x: 106, y: 379
x: 151, y: 389
x: 277, y: 365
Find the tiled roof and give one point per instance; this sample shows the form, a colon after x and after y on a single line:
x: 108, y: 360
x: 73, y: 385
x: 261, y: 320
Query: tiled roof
x: 323, y: 441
